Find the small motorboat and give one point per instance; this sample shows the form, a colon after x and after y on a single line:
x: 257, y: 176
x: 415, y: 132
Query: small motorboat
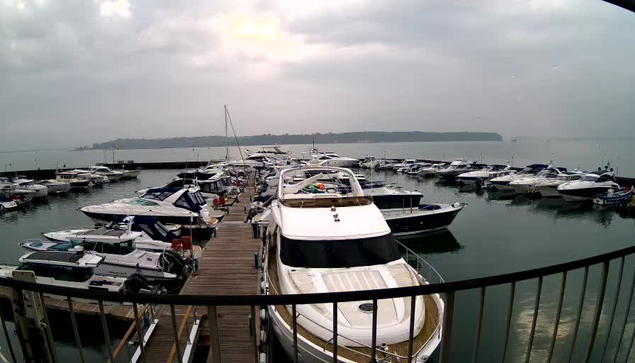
x: 458, y: 167
x: 56, y: 187
x: 588, y: 187
x: 614, y: 197
x: 432, y: 170
x: 79, y: 181
x: 10, y: 204
x: 502, y: 182
x: 479, y: 177
x: 424, y: 218
x: 77, y: 270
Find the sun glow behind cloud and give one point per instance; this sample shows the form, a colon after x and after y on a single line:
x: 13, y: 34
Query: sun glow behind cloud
x: 115, y: 7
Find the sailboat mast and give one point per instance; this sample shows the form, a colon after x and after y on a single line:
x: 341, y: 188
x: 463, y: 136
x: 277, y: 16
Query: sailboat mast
x: 226, y: 144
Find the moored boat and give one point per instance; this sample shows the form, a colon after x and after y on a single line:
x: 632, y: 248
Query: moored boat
x: 347, y: 246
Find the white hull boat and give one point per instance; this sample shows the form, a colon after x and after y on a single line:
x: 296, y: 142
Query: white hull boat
x: 56, y: 187
x: 590, y: 186
x: 347, y: 247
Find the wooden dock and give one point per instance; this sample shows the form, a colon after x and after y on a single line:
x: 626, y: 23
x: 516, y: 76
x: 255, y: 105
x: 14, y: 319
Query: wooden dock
x: 225, y: 268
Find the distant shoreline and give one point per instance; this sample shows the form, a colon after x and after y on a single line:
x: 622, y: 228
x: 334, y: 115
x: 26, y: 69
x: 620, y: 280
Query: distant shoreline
x: 287, y: 139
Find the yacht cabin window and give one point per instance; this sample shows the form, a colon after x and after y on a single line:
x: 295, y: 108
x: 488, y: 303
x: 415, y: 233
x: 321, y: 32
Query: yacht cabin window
x: 338, y: 254
x: 60, y: 273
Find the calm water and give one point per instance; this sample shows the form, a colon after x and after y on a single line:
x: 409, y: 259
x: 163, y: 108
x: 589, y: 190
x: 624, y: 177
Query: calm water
x: 491, y: 236
x: 586, y: 154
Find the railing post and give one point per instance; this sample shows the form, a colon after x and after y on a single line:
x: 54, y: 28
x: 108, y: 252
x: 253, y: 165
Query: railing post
x: 256, y: 331
x: 373, y: 345
x: 579, y: 316
x: 140, y: 334
x: 552, y: 346
x: 75, y: 330
x: 411, y: 332
x: 104, y: 326
x: 48, y: 335
x: 447, y: 327
x: 176, y: 334
x: 295, y: 332
x: 479, y: 326
x: 629, y: 301
x: 616, y: 299
x: 598, y: 310
x: 335, y: 332
x: 6, y: 336
x: 534, y: 320
x: 212, y: 318
x: 512, y: 295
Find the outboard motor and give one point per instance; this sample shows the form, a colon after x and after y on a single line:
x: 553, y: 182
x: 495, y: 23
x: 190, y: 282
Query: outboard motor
x: 137, y: 283
x: 172, y: 262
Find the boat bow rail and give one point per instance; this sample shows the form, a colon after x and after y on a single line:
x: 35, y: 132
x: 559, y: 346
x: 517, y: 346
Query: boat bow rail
x: 447, y: 289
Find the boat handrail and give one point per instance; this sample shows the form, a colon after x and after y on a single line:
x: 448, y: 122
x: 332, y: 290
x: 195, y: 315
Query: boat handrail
x: 421, y: 262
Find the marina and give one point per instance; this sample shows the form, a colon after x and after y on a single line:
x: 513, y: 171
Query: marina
x: 229, y: 263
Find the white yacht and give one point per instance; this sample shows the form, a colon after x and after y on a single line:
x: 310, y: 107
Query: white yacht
x: 333, y: 159
x: 39, y: 191
x: 96, y: 179
x: 432, y: 170
x: 588, y: 187
x: 8, y: 204
x: 10, y: 190
x: 404, y: 164
x: 131, y: 174
x: 347, y: 246
x: 502, y: 182
x: 458, y: 167
x: 102, y: 170
x: 481, y: 176
x: 122, y: 258
x: 56, y: 187
x: 186, y: 207
x: 77, y: 180
x: 528, y: 185
x: 73, y: 269
x: 548, y: 188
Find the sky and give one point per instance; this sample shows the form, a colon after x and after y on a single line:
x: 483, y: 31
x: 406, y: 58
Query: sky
x: 75, y: 72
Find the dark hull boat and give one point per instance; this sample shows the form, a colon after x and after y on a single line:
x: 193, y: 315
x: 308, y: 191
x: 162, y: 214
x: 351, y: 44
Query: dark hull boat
x: 424, y: 219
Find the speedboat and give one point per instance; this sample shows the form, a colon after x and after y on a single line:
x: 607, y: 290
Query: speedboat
x: 76, y: 270
x: 122, y: 258
x: 615, y: 197
x: 55, y: 187
x: 548, y: 188
x: 348, y: 246
x: 588, y: 187
x: 186, y: 207
x: 424, y: 218
x: 528, y: 185
x: 479, y: 177
x: 220, y: 185
x: 333, y: 159
x: 432, y: 170
x: 502, y: 182
x: 458, y: 167
x: 404, y: 164
x: 10, y: 204
x: 209, y: 171
x: 98, y: 180
x: 102, y: 170
x: 147, y: 232
x: 9, y: 190
x: 77, y: 180
x: 39, y: 191
x: 414, y: 169
x: 131, y: 174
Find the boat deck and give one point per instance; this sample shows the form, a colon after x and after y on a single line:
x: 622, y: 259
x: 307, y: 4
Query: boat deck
x: 225, y: 268
x: 359, y: 354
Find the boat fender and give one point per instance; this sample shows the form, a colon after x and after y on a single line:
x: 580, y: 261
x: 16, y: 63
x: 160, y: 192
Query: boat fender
x: 263, y: 336
x: 263, y: 358
x: 263, y: 314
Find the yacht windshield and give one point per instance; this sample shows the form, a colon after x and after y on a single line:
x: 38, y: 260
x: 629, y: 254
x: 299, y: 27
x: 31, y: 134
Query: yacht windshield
x: 339, y: 254
x: 589, y: 177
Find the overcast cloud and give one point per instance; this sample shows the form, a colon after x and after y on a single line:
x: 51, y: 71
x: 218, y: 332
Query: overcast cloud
x: 74, y: 72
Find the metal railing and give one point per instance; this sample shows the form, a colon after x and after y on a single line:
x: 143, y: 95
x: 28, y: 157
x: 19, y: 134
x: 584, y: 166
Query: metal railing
x: 595, y: 349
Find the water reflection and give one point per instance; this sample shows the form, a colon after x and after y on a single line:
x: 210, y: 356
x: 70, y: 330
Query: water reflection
x: 439, y: 242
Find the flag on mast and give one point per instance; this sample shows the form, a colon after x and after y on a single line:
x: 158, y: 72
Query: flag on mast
x: 116, y: 146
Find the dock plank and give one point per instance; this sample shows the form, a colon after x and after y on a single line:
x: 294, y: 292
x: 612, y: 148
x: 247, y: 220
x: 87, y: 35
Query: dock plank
x: 226, y: 267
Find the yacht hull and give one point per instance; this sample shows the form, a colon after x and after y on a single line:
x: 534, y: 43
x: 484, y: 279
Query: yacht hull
x: 582, y: 194
x: 404, y: 222
x: 548, y: 191
x: 58, y: 188
x: 502, y: 185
